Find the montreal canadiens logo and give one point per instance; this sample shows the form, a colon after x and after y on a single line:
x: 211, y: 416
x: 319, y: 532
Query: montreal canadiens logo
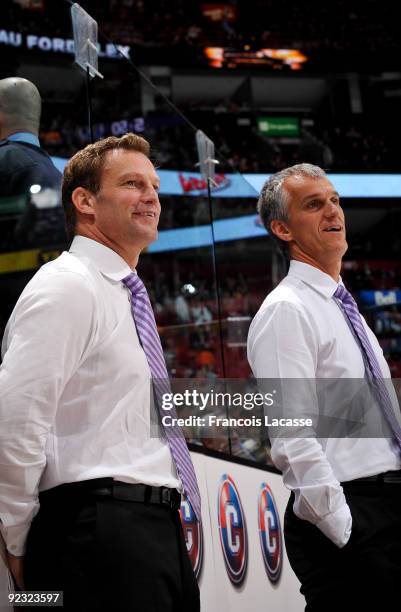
x: 232, y: 529
x: 271, y: 540
x: 193, y: 535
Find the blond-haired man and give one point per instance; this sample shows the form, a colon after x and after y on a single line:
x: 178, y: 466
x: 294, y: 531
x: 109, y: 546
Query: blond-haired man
x: 90, y: 497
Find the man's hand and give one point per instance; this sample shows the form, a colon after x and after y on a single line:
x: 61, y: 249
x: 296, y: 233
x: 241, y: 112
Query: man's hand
x: 16, y: 567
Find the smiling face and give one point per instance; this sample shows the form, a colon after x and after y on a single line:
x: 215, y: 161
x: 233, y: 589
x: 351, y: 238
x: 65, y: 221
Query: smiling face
x: 124, y: 213
x: 315, y: 230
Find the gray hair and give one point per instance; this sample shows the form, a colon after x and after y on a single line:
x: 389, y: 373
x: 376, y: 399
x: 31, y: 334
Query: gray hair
x: 273, y: 200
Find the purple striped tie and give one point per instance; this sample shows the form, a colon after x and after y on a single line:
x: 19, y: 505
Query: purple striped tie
x: 142, y: 312
x: 350, y: 310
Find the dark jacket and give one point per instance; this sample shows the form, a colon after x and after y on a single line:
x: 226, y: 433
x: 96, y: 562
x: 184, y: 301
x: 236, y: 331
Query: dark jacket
x: 22, y: 165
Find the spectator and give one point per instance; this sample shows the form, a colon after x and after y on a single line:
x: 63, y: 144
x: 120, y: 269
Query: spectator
x: 182, y: 309
x: 28, y: 178
x: 23, y: 162
x: 200, y: 313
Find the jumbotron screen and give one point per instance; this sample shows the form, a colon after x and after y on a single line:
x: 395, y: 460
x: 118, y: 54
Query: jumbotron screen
x: 227, y: 57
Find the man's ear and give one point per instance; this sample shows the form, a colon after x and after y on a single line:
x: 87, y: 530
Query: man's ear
x: 83, y: 201
x: 280, y: 229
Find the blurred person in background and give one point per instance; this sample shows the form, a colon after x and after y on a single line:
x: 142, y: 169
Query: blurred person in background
x: 23, y: 162
x: 29, y: 181
x: 200, y: 313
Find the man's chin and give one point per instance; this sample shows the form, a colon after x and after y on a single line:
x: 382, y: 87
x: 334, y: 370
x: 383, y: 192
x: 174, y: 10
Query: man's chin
x: 154, y: 236
x: 340, y: 247
x: 147, y: 238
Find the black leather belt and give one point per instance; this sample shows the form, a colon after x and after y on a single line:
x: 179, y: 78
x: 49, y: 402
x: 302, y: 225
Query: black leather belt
x: 140, y: 493
x: 123, y: 491
x: 391, y: 477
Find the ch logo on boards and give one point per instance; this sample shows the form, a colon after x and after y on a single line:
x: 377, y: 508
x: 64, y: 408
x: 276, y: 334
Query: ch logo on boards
x: 232, y: 530
x: 193, y: 535
x: 270, y: 537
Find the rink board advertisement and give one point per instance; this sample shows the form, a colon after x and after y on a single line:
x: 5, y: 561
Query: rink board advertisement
x: 244, y: 554
x: 238, y: 551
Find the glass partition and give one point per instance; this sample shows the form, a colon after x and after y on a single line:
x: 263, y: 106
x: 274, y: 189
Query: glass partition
x: 31, y: 218
x: 205, y: 273
x: 213, y: 263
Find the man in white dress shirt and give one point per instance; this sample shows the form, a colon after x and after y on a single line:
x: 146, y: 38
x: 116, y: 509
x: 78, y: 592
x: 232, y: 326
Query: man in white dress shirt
x: 89, y: 498
x: 343, y: 521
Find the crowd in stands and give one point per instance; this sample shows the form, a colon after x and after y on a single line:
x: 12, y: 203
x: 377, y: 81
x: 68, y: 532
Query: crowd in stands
x: 189, y: 321
x: 383, y: 277
x: 352, y: 146
x: 187, y: 312
x: 366, y: 142
x: 331, y: 34
x: 373, y: 275
x: 334, y: 36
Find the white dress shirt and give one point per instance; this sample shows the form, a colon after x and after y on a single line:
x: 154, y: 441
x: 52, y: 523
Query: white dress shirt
x: 74, y: 387
x: 301, y: 332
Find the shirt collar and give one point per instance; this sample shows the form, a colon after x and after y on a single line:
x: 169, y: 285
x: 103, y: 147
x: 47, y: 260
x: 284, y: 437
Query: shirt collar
x: 108, y: 262
x: 27, y: 137
x: 315, y: 278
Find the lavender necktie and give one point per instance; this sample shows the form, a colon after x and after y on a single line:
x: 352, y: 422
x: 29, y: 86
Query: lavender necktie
x: 350, y: 310
x: 142, y: 312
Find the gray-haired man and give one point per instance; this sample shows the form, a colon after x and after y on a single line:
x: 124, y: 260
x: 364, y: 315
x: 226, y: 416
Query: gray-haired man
x: 343, y: 521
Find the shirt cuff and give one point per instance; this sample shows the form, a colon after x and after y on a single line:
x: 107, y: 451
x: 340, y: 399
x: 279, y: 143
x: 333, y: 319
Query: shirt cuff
x: 15, y: 538
x: 337, y: 526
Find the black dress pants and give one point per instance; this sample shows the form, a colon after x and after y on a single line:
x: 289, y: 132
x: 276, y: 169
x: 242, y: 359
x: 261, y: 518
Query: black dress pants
x: 107, y: 554
x: 366, y: 573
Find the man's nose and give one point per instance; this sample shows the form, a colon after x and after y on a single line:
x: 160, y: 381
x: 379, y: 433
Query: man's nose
x: 150, y: 194
x: 330, y: 208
